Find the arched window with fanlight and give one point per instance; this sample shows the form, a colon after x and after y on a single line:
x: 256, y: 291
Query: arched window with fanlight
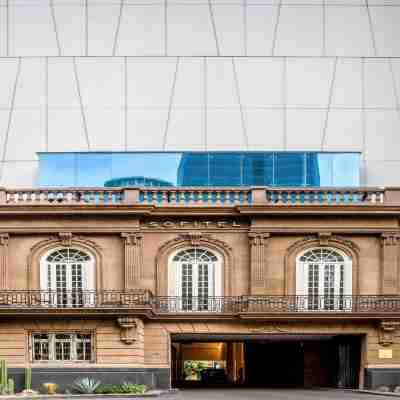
x: 324, y: 279
x: 66, y: 276
x: 194, y: 279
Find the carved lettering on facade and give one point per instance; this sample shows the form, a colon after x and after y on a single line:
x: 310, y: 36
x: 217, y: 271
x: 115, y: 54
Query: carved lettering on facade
x: 258, y: 243
x: 195, y: 224
x: 269, y: 329
x: 133, y: 259
x: 4, y: 238
x: 387, y: 330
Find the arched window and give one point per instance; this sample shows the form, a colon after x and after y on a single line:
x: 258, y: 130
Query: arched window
x: 66, y: 274
x: 194, y: 279
x: 324, y: 279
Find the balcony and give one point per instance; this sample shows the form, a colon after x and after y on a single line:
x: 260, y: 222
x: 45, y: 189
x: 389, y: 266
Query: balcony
x: 201, y: 197
x: 143, y: 303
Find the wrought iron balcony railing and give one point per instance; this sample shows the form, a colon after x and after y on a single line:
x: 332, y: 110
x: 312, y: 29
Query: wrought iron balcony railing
x: 74, y: 298
x: 278, y: 304
x: 138, y: 299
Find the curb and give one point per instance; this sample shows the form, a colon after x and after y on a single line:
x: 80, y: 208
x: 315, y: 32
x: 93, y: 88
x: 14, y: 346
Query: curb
x: 376, y: 393
x: 151, y: 393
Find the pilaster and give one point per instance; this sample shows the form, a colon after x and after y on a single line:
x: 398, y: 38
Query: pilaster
x: 4, y: 237
x: 390, y: 263
x: 134, y: 271
x: 258, y: 261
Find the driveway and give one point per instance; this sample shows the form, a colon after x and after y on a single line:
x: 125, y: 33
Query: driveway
x: 271, y: 394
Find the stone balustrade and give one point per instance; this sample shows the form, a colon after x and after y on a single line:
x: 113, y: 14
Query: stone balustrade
x: 202, y: 197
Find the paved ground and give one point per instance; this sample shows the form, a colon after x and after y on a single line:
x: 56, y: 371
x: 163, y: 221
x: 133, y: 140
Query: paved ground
x: 271, y: 394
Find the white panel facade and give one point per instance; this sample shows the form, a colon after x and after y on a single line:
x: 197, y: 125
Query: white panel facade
x: 102, y: 75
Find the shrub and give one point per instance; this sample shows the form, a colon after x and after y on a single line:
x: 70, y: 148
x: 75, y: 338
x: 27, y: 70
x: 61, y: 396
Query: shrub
x: 85, y: 386
x: 124, y: 388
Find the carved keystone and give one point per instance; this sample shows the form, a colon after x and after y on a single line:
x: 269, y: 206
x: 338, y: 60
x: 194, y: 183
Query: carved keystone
x: 387, y: 331
x: 128, y: 329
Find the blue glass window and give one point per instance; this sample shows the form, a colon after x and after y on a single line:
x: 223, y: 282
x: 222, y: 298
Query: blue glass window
x: 290, y: 169
x: 160, y: 169
x: 258, y: 169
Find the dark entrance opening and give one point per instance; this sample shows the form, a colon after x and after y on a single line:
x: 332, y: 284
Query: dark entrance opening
x: 266, y: 360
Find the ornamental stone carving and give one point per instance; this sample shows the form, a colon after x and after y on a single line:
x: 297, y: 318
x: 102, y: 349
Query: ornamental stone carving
x: 128, y: 329
x: 4, y: 238
x: 258, y: 260
x: 387, y: 330
x: 133, y: 267
x: 390, y: 243
x: 194, y: 239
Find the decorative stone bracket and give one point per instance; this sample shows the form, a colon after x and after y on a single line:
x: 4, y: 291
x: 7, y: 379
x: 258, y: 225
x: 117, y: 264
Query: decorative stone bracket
x: 387, y: 330
x: 128, y: 329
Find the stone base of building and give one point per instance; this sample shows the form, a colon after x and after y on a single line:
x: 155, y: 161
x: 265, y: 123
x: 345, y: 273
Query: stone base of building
x: 375, y: 377
x: 154, y: 378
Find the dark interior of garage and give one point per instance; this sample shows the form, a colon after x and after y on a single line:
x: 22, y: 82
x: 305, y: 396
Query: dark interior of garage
x: 271, y: 361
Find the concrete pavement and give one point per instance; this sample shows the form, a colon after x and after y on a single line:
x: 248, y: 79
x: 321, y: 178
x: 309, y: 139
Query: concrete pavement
x: 271, y: 394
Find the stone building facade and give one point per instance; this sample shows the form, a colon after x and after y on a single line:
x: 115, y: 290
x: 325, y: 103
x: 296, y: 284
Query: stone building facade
x: 120, y: 290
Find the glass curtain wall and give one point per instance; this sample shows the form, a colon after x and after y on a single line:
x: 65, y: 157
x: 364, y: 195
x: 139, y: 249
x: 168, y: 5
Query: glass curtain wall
x: 214, y: 169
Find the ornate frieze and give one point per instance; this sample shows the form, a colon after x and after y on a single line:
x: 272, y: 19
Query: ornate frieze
x: 258, y: 260
x: 387, y: 330
x: 4, y: 237
x: 134, y: 271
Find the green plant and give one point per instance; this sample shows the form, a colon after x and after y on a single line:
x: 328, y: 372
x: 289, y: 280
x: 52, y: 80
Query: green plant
x: 11, y: 386
x: 128, y: 387
x: 28, y: 378
x: 85, y: 386
x: 107, y: 389
x: 193, y: 367
x: 123, y: 388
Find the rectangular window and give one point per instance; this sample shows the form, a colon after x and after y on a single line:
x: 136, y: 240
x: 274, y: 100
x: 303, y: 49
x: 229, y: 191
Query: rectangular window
x: 62, y: 347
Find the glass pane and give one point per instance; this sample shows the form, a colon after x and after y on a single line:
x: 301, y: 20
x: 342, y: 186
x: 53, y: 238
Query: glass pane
x: 93, y: 169
x: 290, y: 169
x: 319, y: 169
x: 146, y: 169
x: 226, y: 169
x: 193, y: 169
x: 57, y: 169
x: 258, y: 169
x: 347, y: 169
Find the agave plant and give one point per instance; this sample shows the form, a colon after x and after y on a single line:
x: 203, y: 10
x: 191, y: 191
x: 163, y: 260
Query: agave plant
x: 85, y: 385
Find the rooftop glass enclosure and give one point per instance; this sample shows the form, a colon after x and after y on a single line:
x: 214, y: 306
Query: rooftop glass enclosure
x: 159, y: 169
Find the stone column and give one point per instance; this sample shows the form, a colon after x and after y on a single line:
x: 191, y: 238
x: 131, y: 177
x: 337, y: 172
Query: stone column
x: 3, y: 260
x: 258, y: 262
x: 390, y: 263
x: 134, y: 271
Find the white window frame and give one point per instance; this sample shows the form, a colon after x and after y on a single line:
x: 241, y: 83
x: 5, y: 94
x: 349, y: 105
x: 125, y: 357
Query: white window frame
x: 52, y: 346
x: 175, y: 281
x: 88, y: 278
x: 302, y: 276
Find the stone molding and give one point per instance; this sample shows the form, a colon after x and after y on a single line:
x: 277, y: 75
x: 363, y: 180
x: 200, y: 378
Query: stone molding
x: 63, y: 239
x: 387, y: 331
x: 390, y: 239
x: 133, y: 263
x: 128, y: 329
x: 321, y: 239
x: 194, y: 239
x: 390, y: 261
x: 258, y: 260
x: 4, y: 239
